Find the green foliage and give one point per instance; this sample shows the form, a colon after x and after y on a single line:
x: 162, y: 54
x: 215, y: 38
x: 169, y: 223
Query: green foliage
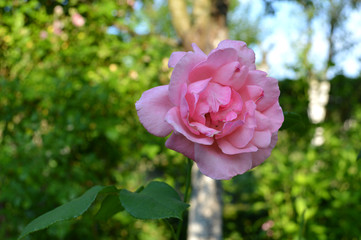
x: 70, y: 210
x: 156, y: 201
x: 68, y: 122
x: 303, y: 190
x: 291, y: 120
x: 67, y: 115
x: 110, y: 206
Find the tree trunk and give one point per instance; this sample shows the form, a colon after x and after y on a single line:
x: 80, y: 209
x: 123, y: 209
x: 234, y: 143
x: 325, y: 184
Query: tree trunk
x: 205, y: 215
x: 319, y: 90
x: 206, y: 27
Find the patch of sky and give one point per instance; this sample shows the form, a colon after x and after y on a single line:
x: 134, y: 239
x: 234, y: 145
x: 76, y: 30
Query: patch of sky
x: 284, y: 34
x: 138, y: 5
x: 281, y: 38
x: 158, y: 4
x: 350, y: 59
x: 142, y: 28
x: 113, y: 30
x: 256, y: 8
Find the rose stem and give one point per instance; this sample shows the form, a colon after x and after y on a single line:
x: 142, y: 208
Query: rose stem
x: 186, y: 193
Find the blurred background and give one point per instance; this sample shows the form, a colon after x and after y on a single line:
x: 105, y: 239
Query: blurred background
x: 71, y: 71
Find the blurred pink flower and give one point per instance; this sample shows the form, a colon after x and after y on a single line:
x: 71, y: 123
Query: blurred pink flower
x: 77, y: 20
x: 224, y: 113
x: 57, y: 27
x: 43, y: 34
x: 267, y: 225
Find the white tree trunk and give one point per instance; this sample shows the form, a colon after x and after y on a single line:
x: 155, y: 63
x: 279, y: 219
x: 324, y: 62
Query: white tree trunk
x: 319, y: 92
x: 205, y: 215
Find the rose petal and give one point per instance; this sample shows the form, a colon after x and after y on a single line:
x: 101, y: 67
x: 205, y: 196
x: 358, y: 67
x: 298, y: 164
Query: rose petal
x: 174, y: 58
x: 246, y: 55
x: 193, y: 94
x: 229, y: 148
x: 200, y: 72
x: 231, y: 44
x: 239, y: 78
x: 216, y: 59
x: 269, y: 86
x: 214, y: 163
x: 152, y: 108
x: 255, y: 92
x: 229, y: 127
x: 263, y: 153
x: 173, y: 118
x: 180, y: 75
x: 231, y: 74
x: 197, y: 50
x: 199, y: 86
x: 201, y: 109
x: 192, y: 100
x: 241, y: 136
x: 230, y: 111
x: 248, y: 111
x: 221, y: 57
x: 184, y: 109
x: 247, y: 58
x: 216, y: 95
x: 183, y: 106
x: 209, y: 132
x: 179, y: 143
x: 225, y: 72
x: 261, y: 139
x: 231, y: 116
x: 275, y: 116
x: 262, y: 121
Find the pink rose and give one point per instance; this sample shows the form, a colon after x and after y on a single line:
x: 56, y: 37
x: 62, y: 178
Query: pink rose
x: 224, y: 113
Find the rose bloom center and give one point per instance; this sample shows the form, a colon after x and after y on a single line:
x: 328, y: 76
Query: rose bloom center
x: 211, y: 107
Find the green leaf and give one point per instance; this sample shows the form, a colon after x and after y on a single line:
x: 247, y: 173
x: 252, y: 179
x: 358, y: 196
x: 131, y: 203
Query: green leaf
x: 110, y: 206
x: 157, y: 200
x: 359, y: 156
x: 69, y: 210
x: 139, y: 189
x: 291, y: 120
